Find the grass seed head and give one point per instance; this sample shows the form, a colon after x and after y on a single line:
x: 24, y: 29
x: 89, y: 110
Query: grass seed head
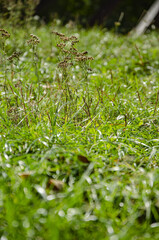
x: 65, y: 51
x: 15, y: 55
x: 74, y: 42
x: 61, y: 45
x: 34, y: 40
x: 73, y: 38
x: 58, y: 34
x: 4, y: 33
x: 64, y: 64
x: 65, y: 39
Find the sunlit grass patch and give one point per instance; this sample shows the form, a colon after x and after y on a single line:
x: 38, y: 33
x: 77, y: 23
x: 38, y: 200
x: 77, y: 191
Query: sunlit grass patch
x: 79, y: 150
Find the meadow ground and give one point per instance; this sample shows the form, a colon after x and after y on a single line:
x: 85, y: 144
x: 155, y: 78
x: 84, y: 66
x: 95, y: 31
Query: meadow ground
x: 79, y: 146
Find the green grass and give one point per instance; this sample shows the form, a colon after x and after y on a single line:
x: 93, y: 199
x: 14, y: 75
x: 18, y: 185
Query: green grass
x: 79, y: 150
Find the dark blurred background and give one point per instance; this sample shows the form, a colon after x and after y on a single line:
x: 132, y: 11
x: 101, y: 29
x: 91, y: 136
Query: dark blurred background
x: 100, y: 12
x: 86, y: 12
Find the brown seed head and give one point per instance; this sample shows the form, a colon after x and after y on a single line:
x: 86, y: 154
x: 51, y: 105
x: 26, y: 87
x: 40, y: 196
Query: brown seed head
x: 65, y: 51
x: 84, y: 53
x: 58, y: 34
x: 74, y: 42
x: 64, y: 64
x: 65, y: 39
x: 61, y: 45
x: 15, y: 55
x: 34, y: 40
x: 73, y: 38
x: 4, y: 33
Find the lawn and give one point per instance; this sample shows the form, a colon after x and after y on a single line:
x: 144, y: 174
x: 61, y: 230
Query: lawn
x: 79, y: 134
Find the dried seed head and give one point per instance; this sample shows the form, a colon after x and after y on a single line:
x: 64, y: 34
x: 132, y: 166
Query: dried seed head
x: 74, y: 42
x: 58, y: 34
x: 34, y: 40
x: 65, y: 51
x: 65, y: 39
x: 67, y: 58
x: 83, y: 58
x: 64, y: 64
x: 74, y: 53
x: 90, y: 58
x: 15, y: 55
x: 34, y: 37
x: 4, y: 33
x: 73, y: 38
x: 74, y: 49
x: 61, y: 45
x: 84, y: 53
x: 71, y: 54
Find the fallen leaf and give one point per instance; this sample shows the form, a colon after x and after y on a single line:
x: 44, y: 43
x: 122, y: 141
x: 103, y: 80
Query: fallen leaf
x: 83, y: 159
x: 57, y: 184
x: 25, y: 174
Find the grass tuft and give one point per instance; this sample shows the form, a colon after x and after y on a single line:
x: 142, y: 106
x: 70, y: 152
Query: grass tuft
x: 79, y: 128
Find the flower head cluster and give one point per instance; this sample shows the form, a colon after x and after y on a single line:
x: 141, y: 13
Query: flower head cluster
x: 65, y: 64
x: 58, y: 34
x: 4, y: 33
x: 34, y: 40
x: 15, y: 55
x: 69, y: 51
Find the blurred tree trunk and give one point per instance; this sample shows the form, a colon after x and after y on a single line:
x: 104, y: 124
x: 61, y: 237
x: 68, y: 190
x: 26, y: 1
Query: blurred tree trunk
x: 147, y: 19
